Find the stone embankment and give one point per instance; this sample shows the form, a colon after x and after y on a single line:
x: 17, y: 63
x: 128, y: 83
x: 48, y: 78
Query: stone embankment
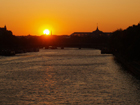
x: 9, y: 52
x: 130, y: 65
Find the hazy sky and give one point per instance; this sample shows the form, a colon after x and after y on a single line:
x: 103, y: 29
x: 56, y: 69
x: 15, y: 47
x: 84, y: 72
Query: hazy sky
x: 24, y: 17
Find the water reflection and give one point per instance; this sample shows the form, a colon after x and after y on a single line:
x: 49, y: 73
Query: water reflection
x: 66, y: 77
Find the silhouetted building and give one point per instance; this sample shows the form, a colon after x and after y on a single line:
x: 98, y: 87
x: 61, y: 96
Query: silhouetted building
x: 4, y: 31
x: 96, y: 33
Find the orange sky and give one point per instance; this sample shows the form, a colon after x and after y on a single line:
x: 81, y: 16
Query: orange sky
x: 63, y: 17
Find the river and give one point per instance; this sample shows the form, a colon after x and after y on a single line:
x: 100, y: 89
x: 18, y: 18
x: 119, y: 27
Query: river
x: 66, y: 77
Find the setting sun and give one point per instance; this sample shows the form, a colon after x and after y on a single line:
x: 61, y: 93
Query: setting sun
x: 46, y: 32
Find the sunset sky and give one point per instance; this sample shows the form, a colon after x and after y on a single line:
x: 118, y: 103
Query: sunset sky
x: 63, y: 17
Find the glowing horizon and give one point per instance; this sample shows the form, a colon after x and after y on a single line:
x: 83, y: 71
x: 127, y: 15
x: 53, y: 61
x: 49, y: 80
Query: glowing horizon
x: 65, y: 17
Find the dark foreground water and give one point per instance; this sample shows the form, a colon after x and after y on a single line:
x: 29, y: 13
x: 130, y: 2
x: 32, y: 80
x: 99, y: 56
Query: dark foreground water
x: 67, y: 77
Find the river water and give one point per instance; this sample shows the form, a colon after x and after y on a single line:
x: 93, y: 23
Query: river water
x: 68, y: 77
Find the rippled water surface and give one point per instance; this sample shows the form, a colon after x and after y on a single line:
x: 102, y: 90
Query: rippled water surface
x: 68, y: 77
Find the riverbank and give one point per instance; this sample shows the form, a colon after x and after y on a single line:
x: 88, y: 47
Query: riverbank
x: 132, y: 66
x: 9, y: 52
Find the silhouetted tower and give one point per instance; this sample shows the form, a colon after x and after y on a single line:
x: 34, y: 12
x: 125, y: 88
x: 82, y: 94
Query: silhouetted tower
x: 97, y: 27
x: 51, y: 32
x: 5, y: 27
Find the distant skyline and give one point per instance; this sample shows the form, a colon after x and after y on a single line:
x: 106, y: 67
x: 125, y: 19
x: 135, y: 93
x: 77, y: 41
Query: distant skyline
x: 63, y: 17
